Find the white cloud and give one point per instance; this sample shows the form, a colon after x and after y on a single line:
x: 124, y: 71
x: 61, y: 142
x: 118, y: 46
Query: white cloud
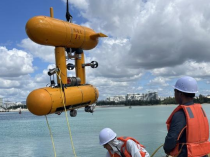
x: 116, y: 18
x: 4, y: 83
x: 170, y: 38
x: 46, y: 53
x: 80, y: 4
x: 191, y: 68
x: 111, y: 56
x: 15, y: 62
x: 173, y: 32
x: 44, y: 77
x: 162, y: 32
x: 18, y: 88
x: 139, y: 88
x: 159, y: 81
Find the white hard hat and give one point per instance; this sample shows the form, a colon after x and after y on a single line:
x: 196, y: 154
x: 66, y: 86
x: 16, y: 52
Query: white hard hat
x: 186, y: 84
x: 106, y: 135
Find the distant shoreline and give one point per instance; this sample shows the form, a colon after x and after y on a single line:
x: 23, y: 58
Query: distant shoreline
x: 17, y: 110
x: 138, y: 105
x: 101, y: 106
x: 104, y: 106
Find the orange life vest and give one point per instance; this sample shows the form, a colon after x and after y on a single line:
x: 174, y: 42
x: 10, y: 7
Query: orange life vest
x: 124, y: 149
x: 197, y: 131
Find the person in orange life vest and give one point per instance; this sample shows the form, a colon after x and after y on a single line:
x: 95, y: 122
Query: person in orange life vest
x: 121, y: 146
x: 188, y: 127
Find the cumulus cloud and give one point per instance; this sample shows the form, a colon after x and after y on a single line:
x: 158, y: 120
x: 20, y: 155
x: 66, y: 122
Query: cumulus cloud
x: 44, y: 77
x: 80, y: 4
x: 169, y: 38
x: 159, y: 81
x: 172, y: 32
x: 15, y: 81
x: 4, y: 83
x: 15, y: 62
x: 46, y: 53
x: 161, y: 32
x: 116, y: 18
x: 189, y: 67
x: 111, y: 56
x: 18, y: 88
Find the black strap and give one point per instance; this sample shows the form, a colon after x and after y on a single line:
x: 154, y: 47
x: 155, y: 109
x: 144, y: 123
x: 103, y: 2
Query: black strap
x: 121, y: 153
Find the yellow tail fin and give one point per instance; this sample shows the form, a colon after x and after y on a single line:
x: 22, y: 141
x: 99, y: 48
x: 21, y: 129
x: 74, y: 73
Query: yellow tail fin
x: 96, y: 35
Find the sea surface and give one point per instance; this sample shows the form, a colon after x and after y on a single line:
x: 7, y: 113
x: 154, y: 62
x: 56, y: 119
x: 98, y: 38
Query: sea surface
x: 27, y: 135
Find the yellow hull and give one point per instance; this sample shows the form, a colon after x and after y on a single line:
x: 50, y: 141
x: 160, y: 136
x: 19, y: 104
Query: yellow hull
x: 54, y: 32
x: 49, y: 100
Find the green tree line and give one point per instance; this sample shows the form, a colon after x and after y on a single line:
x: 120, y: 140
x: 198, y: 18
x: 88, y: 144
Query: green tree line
x: 168, y: 100
x: 17, y: 106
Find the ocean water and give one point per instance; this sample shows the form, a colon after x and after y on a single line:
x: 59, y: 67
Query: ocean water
x: 27, y: 135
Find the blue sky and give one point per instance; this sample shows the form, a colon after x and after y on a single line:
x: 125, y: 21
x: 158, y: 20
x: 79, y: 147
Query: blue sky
x: 150, y: 45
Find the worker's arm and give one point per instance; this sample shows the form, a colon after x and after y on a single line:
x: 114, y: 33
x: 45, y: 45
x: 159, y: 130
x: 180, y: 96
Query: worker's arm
x: 177, y: 124
x: 132, y: 149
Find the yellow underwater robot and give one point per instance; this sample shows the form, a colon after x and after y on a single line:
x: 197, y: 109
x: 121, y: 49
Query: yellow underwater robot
x: 69, y: 92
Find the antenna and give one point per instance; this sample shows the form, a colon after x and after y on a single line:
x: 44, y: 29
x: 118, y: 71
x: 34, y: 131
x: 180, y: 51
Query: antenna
x: 68, y: 15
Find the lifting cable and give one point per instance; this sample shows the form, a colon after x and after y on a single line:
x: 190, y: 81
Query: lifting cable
x: 156, y: 150
x: 67, y: 120
x: 51, y: 136
x: 72, y: 144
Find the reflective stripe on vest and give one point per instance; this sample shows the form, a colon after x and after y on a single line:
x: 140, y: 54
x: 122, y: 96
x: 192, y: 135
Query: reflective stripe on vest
x: 124, y: 149
x: 197, y: 131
